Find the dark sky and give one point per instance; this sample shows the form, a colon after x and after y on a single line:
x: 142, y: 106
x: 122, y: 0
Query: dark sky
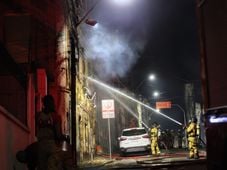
x: 162, y: 34
x: 172, y: 46
x: 163, y: 37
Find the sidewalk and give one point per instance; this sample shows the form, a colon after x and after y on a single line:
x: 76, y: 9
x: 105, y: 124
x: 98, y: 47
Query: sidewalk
x: 98, y: 161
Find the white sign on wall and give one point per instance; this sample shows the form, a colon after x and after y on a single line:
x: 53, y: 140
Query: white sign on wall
x: 108, y: 109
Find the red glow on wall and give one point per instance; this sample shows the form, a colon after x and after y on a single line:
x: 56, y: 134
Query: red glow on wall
x: 41, y: 87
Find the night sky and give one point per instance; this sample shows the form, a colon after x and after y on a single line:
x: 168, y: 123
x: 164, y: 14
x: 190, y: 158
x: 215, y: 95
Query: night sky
x: 161, y: 38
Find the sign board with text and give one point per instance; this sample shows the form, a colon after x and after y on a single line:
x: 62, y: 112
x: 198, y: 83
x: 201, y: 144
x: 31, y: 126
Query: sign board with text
x: 108, y: 109
x: 163, y: 105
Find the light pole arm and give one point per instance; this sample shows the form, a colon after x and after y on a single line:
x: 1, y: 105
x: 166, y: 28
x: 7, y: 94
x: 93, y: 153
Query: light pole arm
x: 140, y: 84
x: 185, y: 121
x: 74, y: 45
x: 87, y: 13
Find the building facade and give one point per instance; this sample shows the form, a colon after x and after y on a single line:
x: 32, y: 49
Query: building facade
x: 34, y: 62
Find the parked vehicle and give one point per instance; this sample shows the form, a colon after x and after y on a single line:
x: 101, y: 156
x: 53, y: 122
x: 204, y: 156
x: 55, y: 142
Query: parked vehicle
x: 134, y: 140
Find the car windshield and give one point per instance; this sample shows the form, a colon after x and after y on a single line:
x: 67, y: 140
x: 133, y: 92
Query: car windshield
x: 134, y: 132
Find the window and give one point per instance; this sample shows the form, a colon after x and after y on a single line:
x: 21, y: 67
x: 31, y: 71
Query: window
x: 134, y: 132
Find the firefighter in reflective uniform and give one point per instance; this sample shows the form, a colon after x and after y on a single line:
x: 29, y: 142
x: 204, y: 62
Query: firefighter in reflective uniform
x: 192, y: 139
x: 154, y: 139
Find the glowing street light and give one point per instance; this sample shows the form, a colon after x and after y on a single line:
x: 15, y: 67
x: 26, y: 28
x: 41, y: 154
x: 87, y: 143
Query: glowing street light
x: 156, y: 94
x: 96, y: 26
x: 152, y: 77
x: 123, y: 2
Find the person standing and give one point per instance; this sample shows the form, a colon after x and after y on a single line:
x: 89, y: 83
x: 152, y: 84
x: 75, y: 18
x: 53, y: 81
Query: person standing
x: 49, y: 134
x: 192, y: 139
x: 154, y: 139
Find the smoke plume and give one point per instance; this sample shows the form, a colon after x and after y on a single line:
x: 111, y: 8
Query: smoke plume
x: 112, y: 52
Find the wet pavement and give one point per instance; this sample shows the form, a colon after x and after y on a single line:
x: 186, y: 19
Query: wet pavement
x: 168, y: 160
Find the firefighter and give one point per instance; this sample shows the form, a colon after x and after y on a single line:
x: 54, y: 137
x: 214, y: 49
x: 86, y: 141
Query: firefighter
x: 191, y: 130
x: 48, y: 132
x: 154, y: 139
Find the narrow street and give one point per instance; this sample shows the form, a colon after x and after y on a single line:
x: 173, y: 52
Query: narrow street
x: 84, y: 84
x: 172, y: 160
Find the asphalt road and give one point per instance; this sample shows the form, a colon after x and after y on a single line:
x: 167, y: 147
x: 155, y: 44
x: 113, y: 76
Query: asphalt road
x: 166, y: 161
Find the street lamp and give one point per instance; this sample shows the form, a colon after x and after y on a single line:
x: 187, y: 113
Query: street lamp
x: 156, y: 94
x: 74, y: 22
x: 123, y: 2
x: 185, y: 122
x: 151, y: 77
x: 91, y: 22
x: 184, y: 113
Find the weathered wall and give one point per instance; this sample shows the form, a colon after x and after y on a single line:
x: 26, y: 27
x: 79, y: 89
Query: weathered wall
x: 213, y: 42
x: 14, y: 137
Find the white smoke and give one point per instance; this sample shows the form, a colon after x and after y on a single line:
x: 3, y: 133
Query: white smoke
x: 111, y: 51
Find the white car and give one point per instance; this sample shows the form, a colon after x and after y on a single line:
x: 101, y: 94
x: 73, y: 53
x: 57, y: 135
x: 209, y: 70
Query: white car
x: 134, y: 140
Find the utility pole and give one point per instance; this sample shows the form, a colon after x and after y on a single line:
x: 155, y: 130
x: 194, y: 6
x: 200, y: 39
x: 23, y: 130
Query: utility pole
x: 185, y: 123
x: 189, y: 100
x: 139, y: 114
x: 74, y: 22
x: 73, y: 97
